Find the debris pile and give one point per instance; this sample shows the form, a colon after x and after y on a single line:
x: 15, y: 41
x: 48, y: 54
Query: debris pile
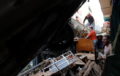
x: 66, y: 64
x: 90, y: 69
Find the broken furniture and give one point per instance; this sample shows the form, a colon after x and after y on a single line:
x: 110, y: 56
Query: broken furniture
x: 54, y: 65
x: 85, y: 47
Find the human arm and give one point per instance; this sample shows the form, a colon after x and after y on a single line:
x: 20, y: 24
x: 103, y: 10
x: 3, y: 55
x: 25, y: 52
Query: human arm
x: 87, y: 37
x: 105, y: 54
x: 85, y: 19
x: 102, y: 58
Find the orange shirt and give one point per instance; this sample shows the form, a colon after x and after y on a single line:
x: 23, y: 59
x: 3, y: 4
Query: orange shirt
x: 92, y: 35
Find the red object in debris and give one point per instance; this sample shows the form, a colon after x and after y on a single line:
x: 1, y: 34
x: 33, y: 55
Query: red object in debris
x: 71, y: 56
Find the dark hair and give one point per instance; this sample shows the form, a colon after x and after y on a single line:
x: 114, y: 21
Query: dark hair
x: 108, y: 37
x: 91, y: 27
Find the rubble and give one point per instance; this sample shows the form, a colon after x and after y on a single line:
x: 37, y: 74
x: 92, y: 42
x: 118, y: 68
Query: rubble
x: 66, y: 64
x: 90, y: 69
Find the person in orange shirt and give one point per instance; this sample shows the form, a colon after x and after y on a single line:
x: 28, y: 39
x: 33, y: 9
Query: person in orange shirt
x: 93, y: 37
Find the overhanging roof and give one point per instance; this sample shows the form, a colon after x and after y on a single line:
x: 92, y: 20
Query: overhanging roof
x: 106, y: 7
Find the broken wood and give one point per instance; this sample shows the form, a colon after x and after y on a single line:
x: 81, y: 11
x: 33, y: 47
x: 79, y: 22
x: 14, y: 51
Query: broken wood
x: 97, y: 70
x: 79, y: 61
x: 87, y: 72
x: 89, y: 56
x: 84, y: 68
x: 91, y: 69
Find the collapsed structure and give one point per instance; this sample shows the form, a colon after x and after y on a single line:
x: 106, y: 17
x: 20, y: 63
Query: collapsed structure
x: 75, y: 65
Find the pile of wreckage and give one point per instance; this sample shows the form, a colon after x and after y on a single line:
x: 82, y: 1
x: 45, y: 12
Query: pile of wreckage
x: 66, y: 64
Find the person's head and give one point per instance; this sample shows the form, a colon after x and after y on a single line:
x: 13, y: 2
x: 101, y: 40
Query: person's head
x: 88, y: 15
x: 90, y: 28
x: 106, y: 40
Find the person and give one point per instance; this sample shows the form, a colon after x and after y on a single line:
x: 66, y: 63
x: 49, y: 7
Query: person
x: 90, y: 21
x: 93, y: 37
x: 107, y: 48
x: 77, y: 18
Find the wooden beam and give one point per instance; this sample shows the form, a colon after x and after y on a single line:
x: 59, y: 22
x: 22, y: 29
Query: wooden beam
x: 87, y: 72
x: 84, y: 68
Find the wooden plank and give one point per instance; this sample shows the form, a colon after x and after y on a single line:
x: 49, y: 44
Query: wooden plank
x: 87, y: 72
x: 89, y: 56
x: 79, y: 61
x: 84, y: 68
x: 97, y: 70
